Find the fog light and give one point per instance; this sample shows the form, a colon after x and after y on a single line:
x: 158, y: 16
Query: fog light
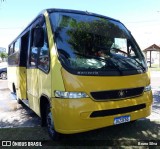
x: 147, y: 88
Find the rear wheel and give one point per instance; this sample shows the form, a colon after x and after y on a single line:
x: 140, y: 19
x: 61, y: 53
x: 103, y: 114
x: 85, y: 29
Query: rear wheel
x: 15, y: 93
x: 4, y: 75
x: 19, y: 101
x: 50, y: 124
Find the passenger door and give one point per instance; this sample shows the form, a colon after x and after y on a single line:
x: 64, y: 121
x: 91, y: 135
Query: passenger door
x: 38, y: 76
x: 33, y: 71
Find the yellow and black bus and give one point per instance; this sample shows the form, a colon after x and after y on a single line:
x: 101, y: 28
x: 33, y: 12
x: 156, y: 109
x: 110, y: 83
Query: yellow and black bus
x: 79, y: 71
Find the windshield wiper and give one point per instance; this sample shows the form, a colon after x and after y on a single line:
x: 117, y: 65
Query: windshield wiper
x: 116, y: 66
x: 140, y: 64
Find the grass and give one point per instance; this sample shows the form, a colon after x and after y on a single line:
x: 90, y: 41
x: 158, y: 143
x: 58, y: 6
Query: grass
x: 154, y: 67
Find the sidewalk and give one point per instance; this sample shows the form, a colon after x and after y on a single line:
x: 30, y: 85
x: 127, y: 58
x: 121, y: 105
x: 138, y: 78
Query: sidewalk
x: 155, y: 84
x: 4, y: 84
x: 3, y: 64
x: 155, y: 80
x: 155, y: 73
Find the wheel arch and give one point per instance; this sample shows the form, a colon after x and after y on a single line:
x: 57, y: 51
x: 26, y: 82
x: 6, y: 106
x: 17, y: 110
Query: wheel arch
x: 44, y: 100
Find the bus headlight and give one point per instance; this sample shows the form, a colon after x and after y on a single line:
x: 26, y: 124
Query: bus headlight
x: 62, y: 94
x: 147, y: 88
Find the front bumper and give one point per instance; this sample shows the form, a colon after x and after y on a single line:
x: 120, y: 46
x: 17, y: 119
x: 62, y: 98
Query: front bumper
x: 74, y: 115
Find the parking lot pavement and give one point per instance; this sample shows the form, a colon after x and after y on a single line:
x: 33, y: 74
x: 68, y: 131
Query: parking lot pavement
x: 155, y: 115
x: 155, y: 84
x: 155, y: 80
x: 3, y: 84
x: 13, y: 114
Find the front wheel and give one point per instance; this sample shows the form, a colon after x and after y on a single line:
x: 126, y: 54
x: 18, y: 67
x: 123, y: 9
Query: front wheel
x: 50, y: 124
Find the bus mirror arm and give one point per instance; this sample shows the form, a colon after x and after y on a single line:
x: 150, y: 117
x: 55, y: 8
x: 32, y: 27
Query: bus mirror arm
x: 38, y: 37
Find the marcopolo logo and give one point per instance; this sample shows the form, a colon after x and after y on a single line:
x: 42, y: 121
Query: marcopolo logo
x: 121, y: 93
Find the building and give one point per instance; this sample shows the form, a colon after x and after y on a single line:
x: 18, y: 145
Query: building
x: 152, y: 54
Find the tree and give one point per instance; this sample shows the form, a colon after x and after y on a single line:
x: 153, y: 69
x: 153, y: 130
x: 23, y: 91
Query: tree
x: 91, y: 36
x: 3, y: 55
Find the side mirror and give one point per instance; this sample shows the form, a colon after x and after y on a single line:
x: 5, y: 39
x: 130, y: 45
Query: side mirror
x: 38, y: 37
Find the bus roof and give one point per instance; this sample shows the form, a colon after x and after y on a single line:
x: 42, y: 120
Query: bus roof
x: 78, y: 12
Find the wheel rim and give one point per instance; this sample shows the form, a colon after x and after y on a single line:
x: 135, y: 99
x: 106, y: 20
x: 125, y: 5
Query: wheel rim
x: 50, y: 124
x: 4, y: 75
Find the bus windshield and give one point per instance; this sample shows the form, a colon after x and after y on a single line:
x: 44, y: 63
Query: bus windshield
x: 93, y: 45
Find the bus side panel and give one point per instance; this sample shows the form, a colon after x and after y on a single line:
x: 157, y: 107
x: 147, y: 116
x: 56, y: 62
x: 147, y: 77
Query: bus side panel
x: 21, y: 83
x: 33, y: 89
x: 44, y: 84
x: 38, y: 84
x: 17, y: 81
x: 12, y: 77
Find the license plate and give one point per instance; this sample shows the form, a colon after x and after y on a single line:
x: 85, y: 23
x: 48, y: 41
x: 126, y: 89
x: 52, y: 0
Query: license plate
x: 122, y: 119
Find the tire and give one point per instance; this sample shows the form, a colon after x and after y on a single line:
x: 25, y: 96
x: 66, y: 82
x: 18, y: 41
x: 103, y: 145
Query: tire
x: 14, y: 89
x: 19, y: 101
x: 134, y: 121
x: 4, y: 75
x: 50, y: 125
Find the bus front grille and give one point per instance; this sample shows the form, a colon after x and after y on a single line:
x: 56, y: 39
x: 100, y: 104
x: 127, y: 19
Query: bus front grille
x: 112, y: 112
x: 117, y: 94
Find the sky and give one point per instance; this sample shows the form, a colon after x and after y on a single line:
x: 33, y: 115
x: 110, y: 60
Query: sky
x: 141, y: 17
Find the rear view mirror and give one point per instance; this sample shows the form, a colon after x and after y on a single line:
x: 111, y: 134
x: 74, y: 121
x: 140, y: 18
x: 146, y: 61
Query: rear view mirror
x: 38, y: 37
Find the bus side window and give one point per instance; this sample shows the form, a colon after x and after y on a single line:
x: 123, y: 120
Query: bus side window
x: 24, y: 49
x: 33, y: 56
x: 10, y: 55
x: 43, y: 59
x: 11, y: 49
x: 33, y: 52
x: 14, y: 53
